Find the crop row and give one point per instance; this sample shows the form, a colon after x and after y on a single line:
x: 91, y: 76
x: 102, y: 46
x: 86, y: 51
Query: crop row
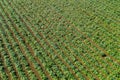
x: 110, y: 46
x: 48, y: 31
x: 45, y: 49
x: 87, y: 21
x: 29, y: 46
x: 52, y: 31
x: 37, y: 16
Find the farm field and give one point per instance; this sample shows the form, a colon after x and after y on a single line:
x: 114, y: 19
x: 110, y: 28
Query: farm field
x: 59, y: 39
